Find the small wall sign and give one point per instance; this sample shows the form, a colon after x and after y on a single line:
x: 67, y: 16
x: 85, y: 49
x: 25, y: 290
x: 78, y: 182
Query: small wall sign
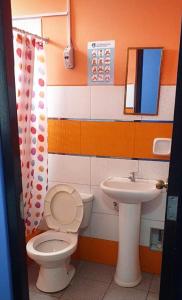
x: 101, y: 62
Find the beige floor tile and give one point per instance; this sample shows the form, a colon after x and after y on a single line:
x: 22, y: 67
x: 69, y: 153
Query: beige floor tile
x: 146, y: 282
x: 85, y: 289
x: 155, y: 285
x: 153, y: 296
x: 33, y: 271
x: 95, y: 271
x: 77, y: 264
x: 40, y: 296
x: 119, y: 293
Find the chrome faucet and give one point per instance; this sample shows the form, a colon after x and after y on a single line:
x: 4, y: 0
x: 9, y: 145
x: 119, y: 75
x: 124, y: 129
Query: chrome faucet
x: 132, y: 177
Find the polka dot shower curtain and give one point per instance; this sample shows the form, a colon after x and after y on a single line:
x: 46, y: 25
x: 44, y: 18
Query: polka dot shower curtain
x: 30, y: 78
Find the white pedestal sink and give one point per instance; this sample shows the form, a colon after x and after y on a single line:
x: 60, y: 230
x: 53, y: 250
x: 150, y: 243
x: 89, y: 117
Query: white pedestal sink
x: 129, y: 195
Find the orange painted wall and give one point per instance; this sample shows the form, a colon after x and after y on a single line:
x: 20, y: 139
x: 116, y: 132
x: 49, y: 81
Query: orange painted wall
x: 129, y: 23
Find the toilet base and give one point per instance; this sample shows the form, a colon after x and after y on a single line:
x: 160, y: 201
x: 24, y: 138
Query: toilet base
x: 52, y: 280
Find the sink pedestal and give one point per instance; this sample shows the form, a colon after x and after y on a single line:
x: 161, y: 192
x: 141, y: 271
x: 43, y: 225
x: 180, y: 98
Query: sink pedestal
x: 128, y: 272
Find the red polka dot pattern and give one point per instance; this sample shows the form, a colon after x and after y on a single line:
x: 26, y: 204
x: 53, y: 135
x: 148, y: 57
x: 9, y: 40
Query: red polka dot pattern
x: 29, y: 55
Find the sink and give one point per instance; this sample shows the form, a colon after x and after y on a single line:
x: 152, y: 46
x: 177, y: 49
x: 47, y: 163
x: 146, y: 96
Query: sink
x: 130, y: 196
x: 125, y: 191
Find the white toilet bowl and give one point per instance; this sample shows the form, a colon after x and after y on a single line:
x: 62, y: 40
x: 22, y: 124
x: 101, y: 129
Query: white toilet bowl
x: 52, y: 249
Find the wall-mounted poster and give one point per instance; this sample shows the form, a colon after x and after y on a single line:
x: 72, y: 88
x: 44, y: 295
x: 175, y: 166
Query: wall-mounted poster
x: 101, y: 62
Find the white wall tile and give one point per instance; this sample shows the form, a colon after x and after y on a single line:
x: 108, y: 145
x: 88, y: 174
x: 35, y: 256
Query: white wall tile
x: 68, y: 101
x: 145, y: 228
x: 70, y: 169
x: 106, y: 102
x: 81, y: 188
x: 102, y: 203
x: 166, y: 104
x: 153, y: 169
x: 104, y: 226
x: 101, y: 168
x: 85, y: 232
x: 155, y: 209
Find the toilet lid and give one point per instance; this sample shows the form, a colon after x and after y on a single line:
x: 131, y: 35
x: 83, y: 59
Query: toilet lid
x: 63, y: 208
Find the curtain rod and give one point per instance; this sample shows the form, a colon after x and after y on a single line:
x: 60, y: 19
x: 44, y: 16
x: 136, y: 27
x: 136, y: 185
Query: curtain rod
x: 46, y: 40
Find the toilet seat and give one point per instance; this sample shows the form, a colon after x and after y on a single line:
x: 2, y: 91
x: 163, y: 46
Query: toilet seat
x: 63, y: 208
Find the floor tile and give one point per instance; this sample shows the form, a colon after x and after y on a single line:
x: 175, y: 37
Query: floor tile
x: 146, y: 282
x: 40, y: 296
x: 85, y: 289
x: 155, y: 285
x: 77, y: 264
x: 153, y: 296
x: 95, y: 271
x: 119, y: 293
x: 33, y: 271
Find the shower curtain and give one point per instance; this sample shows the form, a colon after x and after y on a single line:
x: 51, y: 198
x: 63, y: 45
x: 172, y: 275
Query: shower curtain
x: 30, y: 78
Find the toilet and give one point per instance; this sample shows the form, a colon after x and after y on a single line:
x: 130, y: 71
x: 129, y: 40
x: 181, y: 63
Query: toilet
x: 65, y: 211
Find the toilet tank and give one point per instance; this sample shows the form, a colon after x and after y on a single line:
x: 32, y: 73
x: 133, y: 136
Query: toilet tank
x: 87, y: 209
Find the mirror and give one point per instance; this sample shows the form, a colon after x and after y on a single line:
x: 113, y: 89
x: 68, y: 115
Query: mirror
x: 143, y: 81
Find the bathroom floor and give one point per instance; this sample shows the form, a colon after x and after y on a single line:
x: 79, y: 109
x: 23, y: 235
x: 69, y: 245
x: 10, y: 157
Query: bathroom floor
x: 95, y: 282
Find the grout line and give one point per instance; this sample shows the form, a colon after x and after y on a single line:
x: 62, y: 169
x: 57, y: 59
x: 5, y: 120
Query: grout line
x: 111, y: 157
x: 150, y: 286
x: 109, y: 120
x: 66, y: 182
x: 108, y: 288
x: 93, y: 120
x: 90, y: 173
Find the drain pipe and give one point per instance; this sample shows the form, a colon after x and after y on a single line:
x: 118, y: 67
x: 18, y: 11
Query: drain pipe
x: 69, y: 51
x: 68, y: 24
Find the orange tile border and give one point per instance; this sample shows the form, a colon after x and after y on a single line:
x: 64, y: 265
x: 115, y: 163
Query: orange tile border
x: 54, y: 135
x: 64, y: 136
x: 107, y: 138
x: 105, y: 252
x: 115, y: 139
x: 145, y: 132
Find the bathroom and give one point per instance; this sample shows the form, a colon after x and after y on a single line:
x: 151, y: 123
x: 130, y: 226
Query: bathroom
x: 96, y: 136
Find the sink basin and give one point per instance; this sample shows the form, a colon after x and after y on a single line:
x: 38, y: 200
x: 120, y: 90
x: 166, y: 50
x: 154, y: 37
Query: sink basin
x: 125, y: 191
x: 130, y: 196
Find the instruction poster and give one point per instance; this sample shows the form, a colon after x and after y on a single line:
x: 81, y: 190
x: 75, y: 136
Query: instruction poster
x: 101, y: 62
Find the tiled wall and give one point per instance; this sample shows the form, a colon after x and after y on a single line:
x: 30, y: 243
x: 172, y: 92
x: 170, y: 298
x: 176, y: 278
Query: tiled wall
x: 91, y: 130
x: 102, y: 102
x: 85, y: 172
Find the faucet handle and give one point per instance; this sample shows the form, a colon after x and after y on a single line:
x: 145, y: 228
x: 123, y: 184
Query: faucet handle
x: 161, y: 184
